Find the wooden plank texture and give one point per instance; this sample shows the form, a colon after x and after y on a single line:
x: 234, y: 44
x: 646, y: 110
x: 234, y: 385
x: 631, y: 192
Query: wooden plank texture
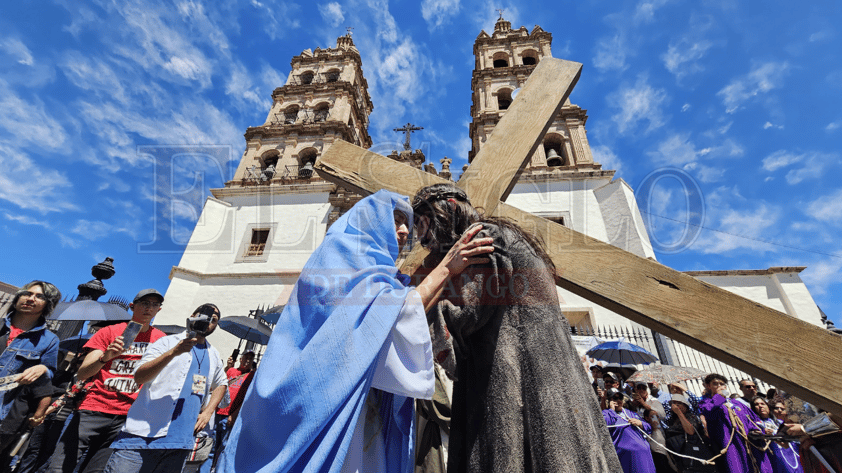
x: 496, y: 167
x: 779, y: 349
x: 756, y: 339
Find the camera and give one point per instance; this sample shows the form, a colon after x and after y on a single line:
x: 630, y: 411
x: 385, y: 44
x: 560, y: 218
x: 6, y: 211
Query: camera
x: 200, y: 322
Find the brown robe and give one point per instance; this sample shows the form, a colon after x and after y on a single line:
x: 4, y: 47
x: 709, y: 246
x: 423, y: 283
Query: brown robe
x: 522, y: 401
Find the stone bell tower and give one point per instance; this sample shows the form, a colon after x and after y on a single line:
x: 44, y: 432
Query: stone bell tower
x: 256, y: 233
x: 324, y: 99
x: 503, y: 62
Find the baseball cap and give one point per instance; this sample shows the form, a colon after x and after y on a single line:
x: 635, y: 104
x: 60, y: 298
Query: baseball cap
x: 595, y: 367
x: 147, y: 292
x: 680, y: 398
x: 611, y: 375
x: 613, y: 392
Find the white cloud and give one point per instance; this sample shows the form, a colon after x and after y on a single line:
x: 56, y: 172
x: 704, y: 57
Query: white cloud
x: 29, y: 122
x: 246, y: 95
x: 637, y: 104
x: 682, y: 58
x: 810, y: 165
x: 685, y: 107
x: 611, y: 53
x: 762, y: 79
x: 822, y: 35
x: 768, y: 125
x: 677, y: 150
x: 827, y: 208
x: 833, y: 126
x: 438, y: 12
x: 819, y: 276
x: 738, y: 228
x: 332, y: 13
x: 29, y: 185
x: 15, y: 47
x: 779, y: 159
x: 604, y: 155
x: 94, y: 74
x: 645, y: 10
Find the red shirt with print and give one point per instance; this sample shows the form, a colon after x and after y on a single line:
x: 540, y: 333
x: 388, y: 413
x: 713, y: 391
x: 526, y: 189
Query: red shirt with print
x: 235, y: 382
x: 114, y: 390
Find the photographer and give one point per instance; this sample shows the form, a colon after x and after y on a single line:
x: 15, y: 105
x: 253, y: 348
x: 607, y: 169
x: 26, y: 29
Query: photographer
x: 183, y: 383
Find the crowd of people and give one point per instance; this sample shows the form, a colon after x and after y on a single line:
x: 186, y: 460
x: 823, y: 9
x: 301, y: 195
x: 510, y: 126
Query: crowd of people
x: 134, y: 399
x: 354, y: 349
x: 655, y: 431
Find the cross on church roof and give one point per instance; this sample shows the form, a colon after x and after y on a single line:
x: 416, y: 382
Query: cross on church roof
x: 348, y: 29
x: 500, y: 11
x: 408, y: 128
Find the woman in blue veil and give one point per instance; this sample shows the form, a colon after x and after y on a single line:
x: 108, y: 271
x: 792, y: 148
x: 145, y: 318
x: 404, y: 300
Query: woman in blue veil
x: 352, y: 323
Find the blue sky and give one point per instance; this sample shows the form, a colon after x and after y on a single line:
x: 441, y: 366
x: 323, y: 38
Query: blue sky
x: 742, y: 97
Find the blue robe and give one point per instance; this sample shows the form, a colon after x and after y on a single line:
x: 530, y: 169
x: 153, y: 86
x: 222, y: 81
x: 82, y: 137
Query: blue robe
x: 633, y: 449
x: 301, y: 410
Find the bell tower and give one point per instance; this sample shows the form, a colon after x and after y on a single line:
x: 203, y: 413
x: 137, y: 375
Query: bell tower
x: 324, y: 99
x: 503, y: 62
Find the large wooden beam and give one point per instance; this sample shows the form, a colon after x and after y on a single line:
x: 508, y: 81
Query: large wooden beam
x: 777, y: 348
x: 765, y: 343
x: 494, y: 171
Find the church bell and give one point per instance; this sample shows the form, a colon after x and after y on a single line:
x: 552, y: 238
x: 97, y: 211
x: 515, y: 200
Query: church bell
x: 306, y: 171
x: 553, y: 159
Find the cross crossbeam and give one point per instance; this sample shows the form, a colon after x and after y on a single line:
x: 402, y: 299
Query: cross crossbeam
x: 765, y: 343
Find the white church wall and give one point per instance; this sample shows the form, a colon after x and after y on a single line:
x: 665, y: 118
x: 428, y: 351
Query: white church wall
x: 623, y: 222
x: 795, y: 292
x: 573, y: 199
x: 762, y: 288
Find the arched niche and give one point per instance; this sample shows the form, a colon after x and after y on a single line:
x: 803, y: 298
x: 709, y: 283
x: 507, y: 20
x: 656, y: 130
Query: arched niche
x: 500, y: 59
x: 529, y: 57
x: 554, y: 150
x: 504, y: 98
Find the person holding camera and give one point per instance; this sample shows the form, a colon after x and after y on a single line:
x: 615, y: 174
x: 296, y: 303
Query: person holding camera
x: 109, y: 365
x: 183, y: 382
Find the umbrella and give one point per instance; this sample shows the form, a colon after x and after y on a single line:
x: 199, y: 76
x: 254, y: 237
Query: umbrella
x: 625, y: 371
x: 89, y: 310
x: 621, y: 352
x: 170, y: 329
x: 74, y: 343
x: 666, y: 374
x: 246, y: 328
x: 272, y: 315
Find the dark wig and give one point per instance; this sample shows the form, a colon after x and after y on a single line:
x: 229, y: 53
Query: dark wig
x: 450, y: 213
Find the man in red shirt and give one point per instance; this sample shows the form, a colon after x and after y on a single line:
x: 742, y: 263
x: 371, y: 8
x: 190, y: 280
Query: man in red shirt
x: 110, y: 366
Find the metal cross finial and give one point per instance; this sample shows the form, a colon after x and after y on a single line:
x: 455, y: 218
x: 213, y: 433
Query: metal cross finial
x: 348, y: 29
x: 500, y: 11
x: 408, y: 128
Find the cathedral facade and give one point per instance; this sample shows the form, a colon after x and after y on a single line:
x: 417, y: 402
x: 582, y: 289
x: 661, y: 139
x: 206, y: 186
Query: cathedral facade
x: 256, y: 233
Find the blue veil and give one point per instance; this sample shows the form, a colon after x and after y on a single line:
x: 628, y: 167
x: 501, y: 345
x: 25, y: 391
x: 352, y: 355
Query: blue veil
x: 301, y: 409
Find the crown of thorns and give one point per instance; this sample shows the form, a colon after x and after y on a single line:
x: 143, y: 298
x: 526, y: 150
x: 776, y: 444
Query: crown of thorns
x: 439, y: 195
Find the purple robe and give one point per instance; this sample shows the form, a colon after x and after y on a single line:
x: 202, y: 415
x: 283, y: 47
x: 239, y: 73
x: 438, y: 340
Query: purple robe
x: 719, y: 428
x: 785, y: 459
x: 632, y: 448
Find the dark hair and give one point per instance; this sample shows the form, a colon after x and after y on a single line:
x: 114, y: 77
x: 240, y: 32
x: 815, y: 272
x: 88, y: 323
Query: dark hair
x: 713, y: 376
x: 451, y: 213
x: 207, y: 305
x: 51, y: 292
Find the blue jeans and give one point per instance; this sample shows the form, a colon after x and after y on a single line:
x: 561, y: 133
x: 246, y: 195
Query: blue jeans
x: 146, y: 461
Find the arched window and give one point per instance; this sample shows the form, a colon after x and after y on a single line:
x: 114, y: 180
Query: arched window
x: 529, y: 57
x: 291, y: 114
x: 504, y: 99
x: 501, y: 59
x: 306, y: 158
x: 554, y: 150
x: 322, y: 111
x: 332, y: 75
x: 269, y: 165
x: 307, y: 77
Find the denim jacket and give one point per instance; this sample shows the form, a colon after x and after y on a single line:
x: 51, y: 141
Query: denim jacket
x: 37, y: 346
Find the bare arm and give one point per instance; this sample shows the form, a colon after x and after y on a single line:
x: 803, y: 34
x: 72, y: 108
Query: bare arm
x: 149, y: 370
x: 210, y: 408
x: 463, y: 254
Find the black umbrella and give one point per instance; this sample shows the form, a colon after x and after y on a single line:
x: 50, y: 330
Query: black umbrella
x: 272, y: 315
x: 89, y: 310
x: 246, y: 328
x: 170, y: 329
x: 621, y: 352
x: 74, y: 343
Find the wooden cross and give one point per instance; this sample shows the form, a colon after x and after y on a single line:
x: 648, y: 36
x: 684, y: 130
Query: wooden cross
x: 408, y: 129
x: 798, y: 357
